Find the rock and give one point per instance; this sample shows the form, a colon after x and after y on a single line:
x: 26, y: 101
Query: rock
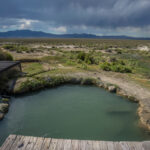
x: 1, y: 116
x: 4, y: 107
x: 100, y: 84
x: 122, y: 93
x: 132, y: 98
x: 112, y: 89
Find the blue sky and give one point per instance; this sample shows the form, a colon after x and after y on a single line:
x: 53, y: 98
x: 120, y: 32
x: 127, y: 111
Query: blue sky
x: 100, y: 17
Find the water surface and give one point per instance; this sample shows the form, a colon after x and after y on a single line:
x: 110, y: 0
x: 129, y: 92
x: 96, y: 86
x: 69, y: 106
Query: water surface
x: 76, y: 112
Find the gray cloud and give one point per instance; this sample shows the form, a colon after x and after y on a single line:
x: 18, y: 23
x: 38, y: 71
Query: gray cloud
x: 76, y: 13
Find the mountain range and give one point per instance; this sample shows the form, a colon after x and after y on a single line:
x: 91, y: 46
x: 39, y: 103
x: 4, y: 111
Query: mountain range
x: 39, y: 34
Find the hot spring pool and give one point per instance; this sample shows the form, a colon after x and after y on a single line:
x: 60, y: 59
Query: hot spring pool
x: 75, y: 112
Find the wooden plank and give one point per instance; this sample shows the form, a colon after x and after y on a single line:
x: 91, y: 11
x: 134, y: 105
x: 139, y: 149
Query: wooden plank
x: 89, y: 145
x: 103, y: 145
x: 75, y: 144
x: 95, y: 145
x: 8, y: 142
x: 53, y: 144
x: 146, y: 145
x: 13, y: 146
x: 67, y: 144
x: 38, y: 144
x: 46, y: 144
x: 24, y: 143
x: 135, y: 145
x: 60, y: 144
x: 20, y: 143
x: 124, y: 146
x: 31, y: 143
x: 117, y: 146
x: 82, y: 145
x: 110, y: 145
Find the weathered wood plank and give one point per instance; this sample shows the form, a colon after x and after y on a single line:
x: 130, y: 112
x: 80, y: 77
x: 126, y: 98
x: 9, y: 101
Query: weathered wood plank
x: 14, y: 142
x: 67, y: 144
x: 103, y: 145
x: 8, y: 142
x: 89, y: 145
x: 110, y: 145
x: 25, y: 142
x: 53, y: 144
x: 31, y: 143
x: 124, y: 146
x: 18, y: 138
x: 75, y: 144
x: 135, y: 145
x: 20, y: 143
x: 38, y: 144
x: 95, y: 145
x: 82, y: 145
x: 46, y: 144
x: 60, y: 144
x: 146, y: 145
x: 117, y: 146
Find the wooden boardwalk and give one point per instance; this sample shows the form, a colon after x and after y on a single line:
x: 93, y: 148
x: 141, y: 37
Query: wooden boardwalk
x: 14, y: 142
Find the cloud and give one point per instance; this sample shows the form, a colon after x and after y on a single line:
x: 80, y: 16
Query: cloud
x: 61, y: 29
x: 12, y: 23
x: 26, y: 24
x: 77, y: 15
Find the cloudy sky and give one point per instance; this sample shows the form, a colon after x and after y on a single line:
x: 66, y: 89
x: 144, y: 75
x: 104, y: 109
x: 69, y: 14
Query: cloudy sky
x: 100, y: 17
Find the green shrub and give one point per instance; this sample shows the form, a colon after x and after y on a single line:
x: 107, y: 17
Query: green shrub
x: 87, y: 58
x: 69, y: 62
x: 84, y: 66
x: 10, y: 47
x: 17, y: 48
x: 117, y: 66
x: 81, y: 56
x: 106, y: 66
x: 5, y: 56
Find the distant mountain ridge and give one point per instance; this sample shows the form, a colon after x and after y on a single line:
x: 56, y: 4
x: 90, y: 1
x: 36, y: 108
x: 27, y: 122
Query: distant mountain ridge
x: 40, y: 34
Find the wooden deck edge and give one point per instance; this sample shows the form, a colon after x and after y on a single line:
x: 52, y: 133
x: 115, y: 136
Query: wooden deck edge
x: 14, y: 142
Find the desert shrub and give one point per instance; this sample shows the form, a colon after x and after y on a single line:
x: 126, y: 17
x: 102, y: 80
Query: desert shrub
x: 31, y: 84
x: 87, y: 58
x: 10, y: 47
x: 17, y: 48
x: 20, y: 49
x: 5, y: 56
x: 84, y: 66
x: 81, y: 56
x: 106, y: 66
x: 69, y: 62
x: 120, y: 68
x: 119, y: 51
x: 55, y: 48
x: 117, y: 66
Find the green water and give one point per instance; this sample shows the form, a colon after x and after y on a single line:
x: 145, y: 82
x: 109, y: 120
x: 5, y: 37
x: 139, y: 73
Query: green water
x: 76, y: 112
